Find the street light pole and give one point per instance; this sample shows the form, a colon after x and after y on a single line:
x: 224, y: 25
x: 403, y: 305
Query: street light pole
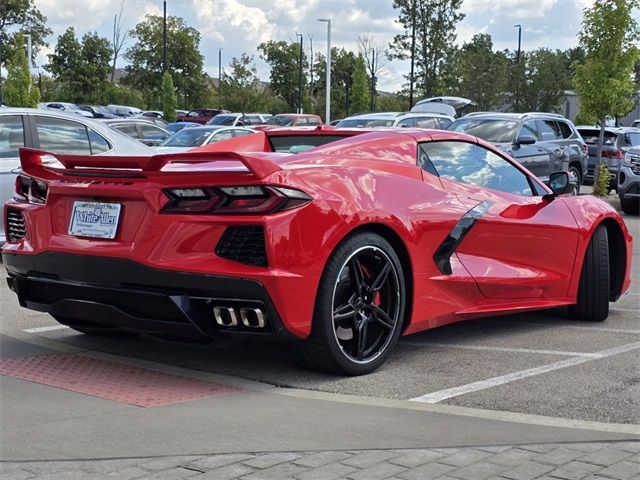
x: 164, y: 38
x: 220, y: 74
x: 373, y: 79
x: 28, y: 37
x: 519, y: 27
x: 300, y: 75
x: 327, y: 115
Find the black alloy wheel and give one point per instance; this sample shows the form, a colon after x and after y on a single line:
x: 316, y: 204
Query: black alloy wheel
x: 359, y: 309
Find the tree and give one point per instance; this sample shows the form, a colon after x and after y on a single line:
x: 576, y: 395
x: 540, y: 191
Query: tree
x: 374, y: 57
x: 283, y: 58
x: 604, y: 82
x: 119, y: 39
x: 81, y: 67
x: 169, y: 101
x: 24, y: 15
x: 429, y: 36
x: 545, y: 80
x: 360, y: 93
x: 18, y: 89
x: 241, y: 86
x: 475, y: 71
x: 184, y: 60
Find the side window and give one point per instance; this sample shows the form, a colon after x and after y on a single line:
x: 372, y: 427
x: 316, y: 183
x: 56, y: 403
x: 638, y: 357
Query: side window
x: 128, y: 129
x: 427, y: 122
x: 240, y: 133
x: 11, y: 135
x: 529, y: 128
x: 468, y: 163
x: 313, y: 121
x: 220, y: 136
x: 549, y: 130
x: 98, y: 143
x: 565, y: 129
x: 407, y: 122
x: 444, y: 123
x: 149, y: 132
x: 300, y: 121
x: 62, y: 136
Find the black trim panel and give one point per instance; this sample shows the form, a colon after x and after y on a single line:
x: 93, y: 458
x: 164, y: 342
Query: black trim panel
x: 442, y: 257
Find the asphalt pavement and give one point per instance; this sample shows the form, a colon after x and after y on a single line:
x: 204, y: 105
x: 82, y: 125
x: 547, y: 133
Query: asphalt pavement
x: 519, y: 397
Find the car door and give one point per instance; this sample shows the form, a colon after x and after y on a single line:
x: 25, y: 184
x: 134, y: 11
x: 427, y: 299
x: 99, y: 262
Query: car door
x: 534, y: 157
x: 514, y: 244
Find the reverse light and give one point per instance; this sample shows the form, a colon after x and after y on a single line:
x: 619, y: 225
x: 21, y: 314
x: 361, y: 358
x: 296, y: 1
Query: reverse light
x: 237, y: 200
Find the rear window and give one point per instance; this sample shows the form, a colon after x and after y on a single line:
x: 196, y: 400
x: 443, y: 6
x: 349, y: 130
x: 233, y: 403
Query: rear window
x: 591, y: 136
x: 495, y: 131
x: 188, y: 137
x: 365, y: 123
x: 300, y: 143
x: 223, y: 120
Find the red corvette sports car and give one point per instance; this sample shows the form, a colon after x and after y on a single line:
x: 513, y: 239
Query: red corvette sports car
x: 338, y: 249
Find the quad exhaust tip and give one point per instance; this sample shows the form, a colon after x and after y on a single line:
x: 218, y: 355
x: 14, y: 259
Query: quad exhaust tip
x: 249, y: 317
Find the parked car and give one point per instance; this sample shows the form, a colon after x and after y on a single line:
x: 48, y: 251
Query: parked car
x: 635, y: 123
x: 57, y: 132
x: 97, y: 111
x: 150, y: 113
x: 177, y: 126
x: 628, y: 186
x: 189, y: 138
x: 123, y: 110
x: 291, y: 120
x: 397, y: 233
x: 452, y: 106
x: 397, y: 119
x: 543, y: 142
x: 201, y: 115
x: 239, y: 119
x: 67, y: 107
x: 142, y: 130
x: 616, y: 142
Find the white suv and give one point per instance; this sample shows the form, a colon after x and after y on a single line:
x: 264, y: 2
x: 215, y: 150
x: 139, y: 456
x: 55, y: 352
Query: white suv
x: 397, y: 119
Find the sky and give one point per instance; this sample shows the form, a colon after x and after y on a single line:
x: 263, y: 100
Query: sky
x: 238, y: 26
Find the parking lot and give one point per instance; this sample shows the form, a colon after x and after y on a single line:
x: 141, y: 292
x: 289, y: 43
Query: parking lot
x: 536, y: 363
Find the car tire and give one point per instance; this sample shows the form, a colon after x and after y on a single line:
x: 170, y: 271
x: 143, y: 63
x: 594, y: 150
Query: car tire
x: 575, y: 172
x: 630, y: 205
x: 94, y: 331
x: 593, y: 291
x: 364, y: 276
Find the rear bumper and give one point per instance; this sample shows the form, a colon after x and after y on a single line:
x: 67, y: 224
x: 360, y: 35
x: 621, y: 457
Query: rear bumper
x: 119, y: 293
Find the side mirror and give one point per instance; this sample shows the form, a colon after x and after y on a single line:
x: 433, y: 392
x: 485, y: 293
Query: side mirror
x: 559, y: 184
x: 525, y: 140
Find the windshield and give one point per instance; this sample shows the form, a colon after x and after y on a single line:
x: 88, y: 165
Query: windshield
x: 365, y: 122
x: 494, y: 131
x: 188, y: 137
x: 281, y: 120
x: 222, y: 120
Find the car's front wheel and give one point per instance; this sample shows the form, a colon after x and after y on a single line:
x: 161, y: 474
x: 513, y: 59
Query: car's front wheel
x: 593, y: 291
x: 359, y: 308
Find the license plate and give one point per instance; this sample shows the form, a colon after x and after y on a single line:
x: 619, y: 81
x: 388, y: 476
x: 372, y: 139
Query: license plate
x: 94, y: 219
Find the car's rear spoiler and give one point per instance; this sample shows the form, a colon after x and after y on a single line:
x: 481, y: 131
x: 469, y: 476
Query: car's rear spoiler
x: 31, y: 162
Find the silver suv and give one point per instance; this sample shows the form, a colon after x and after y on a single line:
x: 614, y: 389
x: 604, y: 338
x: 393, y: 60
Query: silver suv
x: 629, y: 182
x: 397, y: 119
x: 543, y: 142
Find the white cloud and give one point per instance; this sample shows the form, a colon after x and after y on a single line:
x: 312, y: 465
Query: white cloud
x: 509, y: 8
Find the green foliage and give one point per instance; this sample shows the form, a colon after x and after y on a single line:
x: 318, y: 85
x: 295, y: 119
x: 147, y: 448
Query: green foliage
x: 284, y: 60
x: 241, y: 89
x: 360, y: 89
x: 601, y: 183
x: 169, y: 101
x: 476, y: 71
x: 18, y: 88
x: 122, y: 95
x: 604, y: 82
x: 24, y: 15
x: 184, y: 61
x: 81, y: 67
x: 391, y: 103
x: 545, y: 81
x: 434, y: 22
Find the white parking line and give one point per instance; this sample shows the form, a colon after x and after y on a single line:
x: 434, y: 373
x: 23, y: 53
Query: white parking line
x: 621, y: 309
x: 441, y: 395
x: 462, y: 346
x: 45, y: 329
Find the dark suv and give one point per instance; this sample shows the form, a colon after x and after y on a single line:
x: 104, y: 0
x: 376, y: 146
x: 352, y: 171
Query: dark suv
x: 543, y: 142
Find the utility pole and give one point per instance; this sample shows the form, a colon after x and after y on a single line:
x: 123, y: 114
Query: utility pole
x: 28, y: 37
x: 311, y: 65
x: 300, y: 75
x: 519, y: 27
x: 373, y: 79
x: 164, y: 38
x: 327, y: 115
x: 1, y: 98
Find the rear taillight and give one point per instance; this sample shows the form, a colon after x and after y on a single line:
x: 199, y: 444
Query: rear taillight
x: 613, y: 154
x: 30, y: 190
x: 585, y: 147
x: 236, y: 200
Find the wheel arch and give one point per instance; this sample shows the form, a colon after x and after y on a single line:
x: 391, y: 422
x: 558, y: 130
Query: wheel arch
x: 617, y: 257
x: 391, y: 236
